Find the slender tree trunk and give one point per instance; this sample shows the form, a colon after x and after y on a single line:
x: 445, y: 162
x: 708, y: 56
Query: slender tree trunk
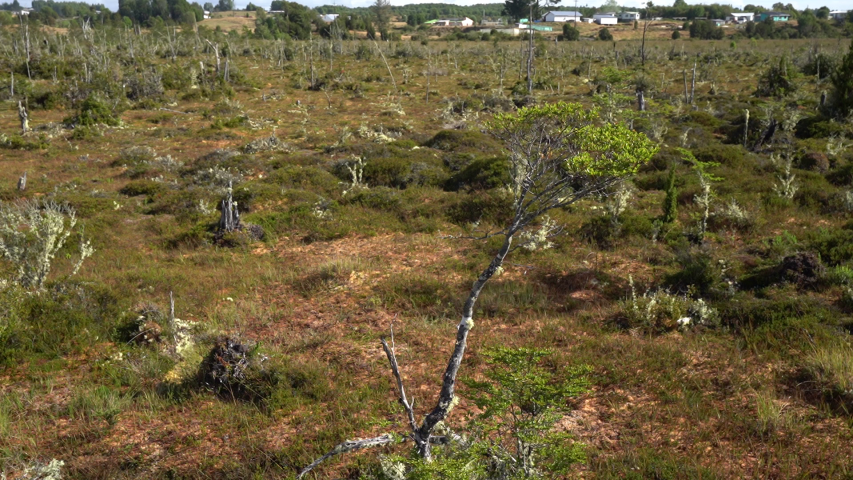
x: 530, y: 52
x: 693, y: 85
x: 446, y: 397
x: 686, y: 95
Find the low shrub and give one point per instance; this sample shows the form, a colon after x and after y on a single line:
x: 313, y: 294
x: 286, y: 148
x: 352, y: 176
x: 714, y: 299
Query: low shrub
x: 661, y: 311
x: 464, y: 140
x: 481, y: 174
x: 835, y: 246
x: 604, y: 231
x: 819, y: 127
x: 489, y: 206
x: 149, y: 188
x: 93, y: 111
x: 729, y: 155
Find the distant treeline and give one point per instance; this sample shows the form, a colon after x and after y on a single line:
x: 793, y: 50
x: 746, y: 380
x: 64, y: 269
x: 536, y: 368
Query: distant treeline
x: 418, y: 13
x: 143, y: 12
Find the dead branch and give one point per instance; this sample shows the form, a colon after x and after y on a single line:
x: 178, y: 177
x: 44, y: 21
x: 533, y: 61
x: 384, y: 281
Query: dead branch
x: 351, y: 446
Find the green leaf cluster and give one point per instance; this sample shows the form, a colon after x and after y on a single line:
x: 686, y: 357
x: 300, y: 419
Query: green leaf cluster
x: 585, y: 146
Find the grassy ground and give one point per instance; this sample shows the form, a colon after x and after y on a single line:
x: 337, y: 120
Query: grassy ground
x: 760, y: 394
x: 227, y: 21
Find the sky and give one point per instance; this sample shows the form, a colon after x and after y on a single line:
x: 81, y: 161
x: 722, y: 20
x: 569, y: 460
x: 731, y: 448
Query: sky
x: 832, y: 4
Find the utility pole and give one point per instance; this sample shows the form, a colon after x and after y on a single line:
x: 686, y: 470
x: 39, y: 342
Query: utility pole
x: 530, y: 52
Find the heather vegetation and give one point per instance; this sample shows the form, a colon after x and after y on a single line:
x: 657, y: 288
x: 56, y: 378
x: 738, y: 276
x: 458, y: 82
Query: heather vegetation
x: 263, y: 245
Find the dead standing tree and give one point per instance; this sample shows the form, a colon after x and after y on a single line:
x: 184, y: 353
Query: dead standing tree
x: 559, y: 154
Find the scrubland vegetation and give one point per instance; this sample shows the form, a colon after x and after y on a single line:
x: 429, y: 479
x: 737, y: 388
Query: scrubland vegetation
x: 205, y: 236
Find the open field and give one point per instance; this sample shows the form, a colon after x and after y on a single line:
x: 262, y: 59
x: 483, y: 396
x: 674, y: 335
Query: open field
x: 94, y: 372
x: 227, y: 21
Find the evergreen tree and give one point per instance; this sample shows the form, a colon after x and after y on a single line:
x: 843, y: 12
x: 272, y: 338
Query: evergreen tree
x: 570, y: 33
x: 842, y: 81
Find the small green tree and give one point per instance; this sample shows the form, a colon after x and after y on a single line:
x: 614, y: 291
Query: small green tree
x: 521, y: 400
x: 570, y: 33
x: 605, y: 35
x: 842, y: 82
x: 670, y: 202
x: 558, y: 154
x: 778, y: 80
x: 676, y: 34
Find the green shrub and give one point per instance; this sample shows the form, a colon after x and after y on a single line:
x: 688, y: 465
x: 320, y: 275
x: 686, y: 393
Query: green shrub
x: 402, y: 172
x: 704, y: 119
x: 490, y: 206
x: 94, y: 111
x: 729, y: 155
x: 305, y: 178
x: 149, y: 188
x: 463, y: 140
x: 834, y: 246
x: 570, y: 33
x: 778, y: 80
x: 819, y: 127
x: 379, y: 198
x: 604, y: 231
x: 482, y: 174
x: 700, y: 271
x: 605, y: 35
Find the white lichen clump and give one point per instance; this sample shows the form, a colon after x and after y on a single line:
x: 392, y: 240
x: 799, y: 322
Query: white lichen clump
x: 31, y: 233
x: 539, y: 239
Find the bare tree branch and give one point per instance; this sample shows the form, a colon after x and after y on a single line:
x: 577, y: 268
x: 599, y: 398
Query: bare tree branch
x: 392, y: 359
x: 351, y: 446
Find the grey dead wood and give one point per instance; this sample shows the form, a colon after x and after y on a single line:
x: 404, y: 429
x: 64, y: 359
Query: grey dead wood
x: 24, y: 117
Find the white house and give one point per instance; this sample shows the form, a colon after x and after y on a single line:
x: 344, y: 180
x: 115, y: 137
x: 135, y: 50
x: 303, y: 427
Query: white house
x: 558, y: 16
x: 454, y: 22
x: 629, y: 16
x: 740, y: 17
x: 23, y: 11
x: 329, y: 17
x: 206, y: 14
x: 605, y: 19
x: 838, y: 14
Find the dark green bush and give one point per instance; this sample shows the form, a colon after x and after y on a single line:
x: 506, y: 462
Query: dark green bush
x: 150, y: 188
x: 704, y: 119
x: 481, y: 174
x: 819, y: 127
x: 488, y: 206
x: 380, y: 198
x: 304, y: 178
x: 94, y: 111
x: 835, y: 246
x: 729, y: 155
x: 604, y: 232
x: 699, y: 270
x: 463, y: 140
